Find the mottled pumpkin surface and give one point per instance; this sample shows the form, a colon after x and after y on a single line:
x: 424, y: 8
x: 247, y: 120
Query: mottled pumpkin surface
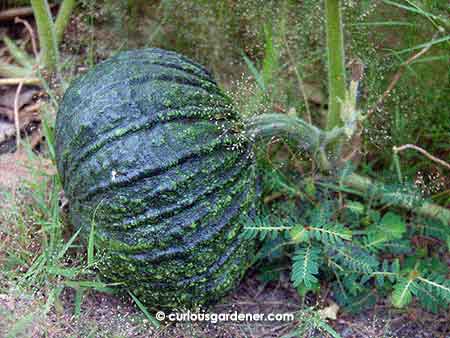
x: 152, y: 154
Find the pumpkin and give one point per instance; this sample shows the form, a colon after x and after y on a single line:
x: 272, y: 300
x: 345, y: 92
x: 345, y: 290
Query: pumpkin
x: 153, y: 159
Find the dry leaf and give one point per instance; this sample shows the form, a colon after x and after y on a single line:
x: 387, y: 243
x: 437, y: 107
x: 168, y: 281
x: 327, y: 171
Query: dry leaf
x: 7, y: 100
x: 27, y: 115
x: 330, y: 312
x: 7, y: 130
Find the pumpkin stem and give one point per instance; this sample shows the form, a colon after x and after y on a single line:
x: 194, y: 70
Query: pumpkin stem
x: 315, y: 141
x: 270, y: 125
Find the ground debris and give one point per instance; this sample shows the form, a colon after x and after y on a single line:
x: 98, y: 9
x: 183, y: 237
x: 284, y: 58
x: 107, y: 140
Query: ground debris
x: 15, y: 168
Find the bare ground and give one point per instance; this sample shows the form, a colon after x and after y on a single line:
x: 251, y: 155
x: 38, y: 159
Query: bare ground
x: 105, y: 315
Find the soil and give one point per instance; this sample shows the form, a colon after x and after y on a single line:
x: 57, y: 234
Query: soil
x: 106, y: 315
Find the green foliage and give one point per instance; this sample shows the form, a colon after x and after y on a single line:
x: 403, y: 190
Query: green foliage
x: 363, y: 251
x: 353, y: 258
x: 311, y: 324
x: 305, y: 265
x: 44, y: 255
x: 50, y: 34
x: 402, y: 293
x: 415, y: 112
x: 433, y: 291
x: 284, y: 47
x: 142, y: 307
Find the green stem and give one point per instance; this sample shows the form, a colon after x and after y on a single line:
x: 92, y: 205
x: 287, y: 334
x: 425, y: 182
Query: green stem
x: 294, y: 129
x: 9, y: 70
x: 314, y: 140
x: 47, y: 36
x: 19, y: 55
x: 336, y: 66
x: 299, y: 133
x: 62, y: 19
x: 365, y: 185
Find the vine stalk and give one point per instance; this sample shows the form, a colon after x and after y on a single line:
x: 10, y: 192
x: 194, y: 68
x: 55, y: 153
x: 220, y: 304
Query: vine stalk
x: 336, y: 65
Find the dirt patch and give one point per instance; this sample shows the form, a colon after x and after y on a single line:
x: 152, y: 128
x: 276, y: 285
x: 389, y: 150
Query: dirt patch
x: 105, y: 315
x: 18, y: 167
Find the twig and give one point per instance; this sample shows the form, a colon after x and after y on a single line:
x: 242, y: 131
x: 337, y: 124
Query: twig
x: 16, y: 114
x: 12, y: 13
x: 400, y: 73
x: 24, y: 80
x: 422, y: 151
x: 32, y: 35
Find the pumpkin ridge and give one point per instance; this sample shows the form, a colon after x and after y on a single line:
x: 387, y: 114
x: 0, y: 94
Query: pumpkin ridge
x: 156, y: 262
x: 214, y: 287
x: 193, y: 167
x: 191, y: 71
x: 163, y: 54
x: 230, y: 250
x: 123, y: 181
x: 198, y: 84
x: 234, y: 191
x: 143, y: 124
x: 165, y: 116
x: 92, y: 149
x: 143, y: 218
x: 98, y: 98
x: 158, y: 212
x: 170, y: 66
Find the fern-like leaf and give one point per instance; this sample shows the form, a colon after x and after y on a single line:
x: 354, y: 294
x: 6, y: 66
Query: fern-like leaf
x: 305, y: 265
x: 433, y: 228
x: 433, y: 291
x: 398, y: 247
x: 260, y: 227
x: 331, y: 234
x: 403, y: 292
x: 388, y: 270
x: 322, y: 215
x: 354, y: 258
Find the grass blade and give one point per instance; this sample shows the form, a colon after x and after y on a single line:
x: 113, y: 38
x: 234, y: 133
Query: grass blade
x: 256, y: 74
x: 90, y: 249
x: 423, y: 45
x: 144, y: 310
x: 67, y: 245
x: 78, y: 301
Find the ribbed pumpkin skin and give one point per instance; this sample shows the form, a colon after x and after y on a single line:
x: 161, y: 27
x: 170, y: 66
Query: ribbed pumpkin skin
x: 151, y: 152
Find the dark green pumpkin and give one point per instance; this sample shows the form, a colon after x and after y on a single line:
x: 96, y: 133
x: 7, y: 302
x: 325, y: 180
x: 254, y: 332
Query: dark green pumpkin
x: 151, y: 153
